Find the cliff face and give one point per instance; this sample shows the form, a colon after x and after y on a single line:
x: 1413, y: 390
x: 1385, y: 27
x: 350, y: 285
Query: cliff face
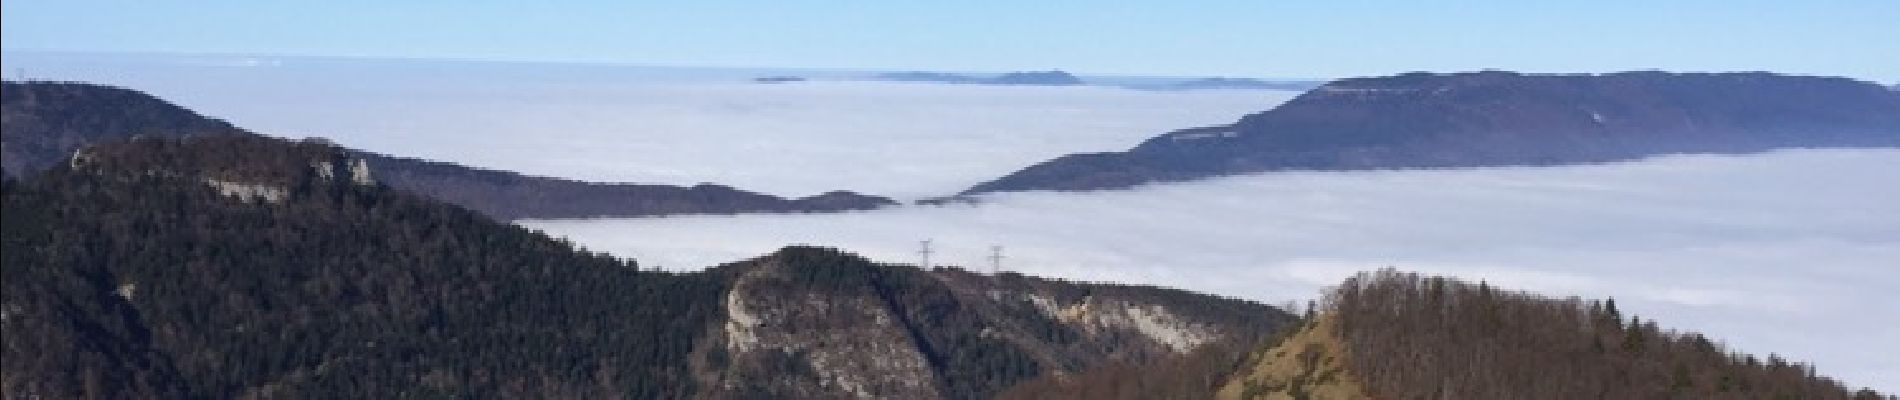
x: 1496, y: 119
x: 47, y: 122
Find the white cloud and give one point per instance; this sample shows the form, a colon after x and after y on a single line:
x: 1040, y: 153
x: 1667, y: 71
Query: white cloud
x: 1791, y: 252
x: 671, y: 125
x: 907, y: 140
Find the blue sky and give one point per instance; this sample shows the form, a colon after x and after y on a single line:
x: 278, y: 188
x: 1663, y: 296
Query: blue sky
x: 1238, y: 38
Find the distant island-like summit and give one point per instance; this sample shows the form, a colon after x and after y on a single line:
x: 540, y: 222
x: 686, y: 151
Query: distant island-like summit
x: 1038, y: 78
x: 778, y: 79
x: 1236, y: 83
x: 1496, y: 118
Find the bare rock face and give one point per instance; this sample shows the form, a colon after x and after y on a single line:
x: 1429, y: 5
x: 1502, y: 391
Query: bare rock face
x: 359, y: 173
x: 248, y: 191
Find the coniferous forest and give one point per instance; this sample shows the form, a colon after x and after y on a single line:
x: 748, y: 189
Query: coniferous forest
x: 1413, y: 336
x: 239, y: 266
x: 127, y: 282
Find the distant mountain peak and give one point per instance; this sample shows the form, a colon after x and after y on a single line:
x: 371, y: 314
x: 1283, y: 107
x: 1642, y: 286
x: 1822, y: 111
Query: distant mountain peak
x: 1044, y: 78
x: 1050, y: 77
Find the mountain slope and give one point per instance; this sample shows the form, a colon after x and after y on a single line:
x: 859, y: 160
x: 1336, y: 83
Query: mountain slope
x: 1399, y: 335
x: 1423, y: 120
x: 1393, y: 335
x: 46, y: 121
x: 851, y: 328
x: 234, y: 262
x: 221, y: 266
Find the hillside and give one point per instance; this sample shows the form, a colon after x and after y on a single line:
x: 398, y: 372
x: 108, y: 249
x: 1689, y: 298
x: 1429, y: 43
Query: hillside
x: 222, y: 266
x: 1394, y: 335
x: 1423, y: 120
x: 45, y: 122
x: 817, y: 323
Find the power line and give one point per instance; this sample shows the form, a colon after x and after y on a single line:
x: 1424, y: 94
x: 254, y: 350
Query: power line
x: 996, y: 259
x: 925, y: 252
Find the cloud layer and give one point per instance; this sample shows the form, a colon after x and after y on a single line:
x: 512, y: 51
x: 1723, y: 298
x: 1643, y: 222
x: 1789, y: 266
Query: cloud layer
x: 1793, y: 252
x: 667, y: 125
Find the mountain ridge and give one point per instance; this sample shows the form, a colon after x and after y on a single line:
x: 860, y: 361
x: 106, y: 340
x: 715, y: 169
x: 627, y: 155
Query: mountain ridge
x: 47, y: 121
x: 217, y: 266
x: 1389, y: 334
x: 1494, y: 118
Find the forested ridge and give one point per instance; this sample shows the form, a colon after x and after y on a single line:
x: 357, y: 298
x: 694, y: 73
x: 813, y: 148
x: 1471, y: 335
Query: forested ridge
x: 1398, y: 335
x: 146, y: 283
x: 157, y: 267
x: 818, y: 320
x: 47, y: 121
x: 1409, y: 336
x: 1412, y: 336
x: 1496, y: 118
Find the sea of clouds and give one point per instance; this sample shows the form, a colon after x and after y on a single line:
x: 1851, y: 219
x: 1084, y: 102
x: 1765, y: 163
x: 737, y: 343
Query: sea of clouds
x: 1795, y: 252
x: 679, y: 126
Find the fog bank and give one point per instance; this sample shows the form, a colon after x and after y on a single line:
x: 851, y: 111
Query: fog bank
x: 1793, y: 252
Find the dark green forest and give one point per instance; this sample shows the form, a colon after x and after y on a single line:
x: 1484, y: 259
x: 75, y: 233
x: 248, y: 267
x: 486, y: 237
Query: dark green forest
x: 47, y: 121
x: 136, y: 270
x: 125, y: 281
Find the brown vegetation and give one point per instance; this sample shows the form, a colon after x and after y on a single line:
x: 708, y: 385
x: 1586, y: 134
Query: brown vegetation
x: 1307, y: 365
x: 1416, y: 337
x: 1394, y: 335
x: 1195, y: 375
